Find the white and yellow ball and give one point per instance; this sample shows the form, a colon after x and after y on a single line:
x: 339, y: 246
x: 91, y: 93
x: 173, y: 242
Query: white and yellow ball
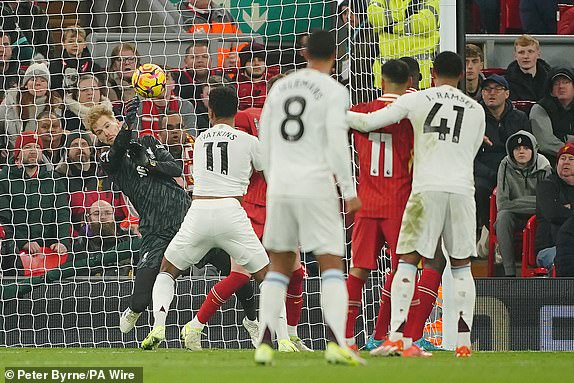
x: 149, y: 80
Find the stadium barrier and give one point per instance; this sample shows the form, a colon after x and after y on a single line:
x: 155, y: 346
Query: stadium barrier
x: 511, y: 315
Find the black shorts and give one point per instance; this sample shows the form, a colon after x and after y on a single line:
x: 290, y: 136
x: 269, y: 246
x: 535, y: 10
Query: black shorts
x: 153, y: 247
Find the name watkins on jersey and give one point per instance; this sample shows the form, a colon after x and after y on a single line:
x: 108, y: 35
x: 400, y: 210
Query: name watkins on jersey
x: 450, y: 96
x: 219, y: 133
x: 315, y: 91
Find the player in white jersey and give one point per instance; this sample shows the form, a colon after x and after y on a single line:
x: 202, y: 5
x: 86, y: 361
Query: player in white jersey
x: 448, y: 131
x: 223, y: 159
x: 304, y: 142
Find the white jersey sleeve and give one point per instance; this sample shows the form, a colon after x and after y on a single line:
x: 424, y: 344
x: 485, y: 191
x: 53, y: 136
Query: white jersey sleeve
x: 338, y: 152
x: 223, y: 160
x: 256, y: 156
x: 391, y: 114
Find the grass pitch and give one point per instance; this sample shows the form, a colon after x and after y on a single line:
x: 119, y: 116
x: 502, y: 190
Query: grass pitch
x: 171, y: 366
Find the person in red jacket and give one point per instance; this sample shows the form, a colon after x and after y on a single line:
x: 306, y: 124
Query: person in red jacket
x: 253, y: 76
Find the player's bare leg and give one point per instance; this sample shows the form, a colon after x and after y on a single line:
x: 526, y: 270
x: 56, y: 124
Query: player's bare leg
x: 272, y: 300
x: 402, y: 291
x: 162, y: 295
x: 465, y: 297
x: 334, y: 302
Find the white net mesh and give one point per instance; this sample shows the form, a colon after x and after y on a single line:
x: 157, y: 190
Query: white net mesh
x: 59, y: 58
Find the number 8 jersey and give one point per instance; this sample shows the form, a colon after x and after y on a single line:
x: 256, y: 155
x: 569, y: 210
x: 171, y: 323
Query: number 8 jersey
x: 448, y: 131
x: 304, y: 137
x: 223, y: 159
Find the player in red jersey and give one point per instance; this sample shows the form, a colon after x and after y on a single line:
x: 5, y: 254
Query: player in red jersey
x: 254, y: 204
x: 385, y: 177
x: 367, y: 246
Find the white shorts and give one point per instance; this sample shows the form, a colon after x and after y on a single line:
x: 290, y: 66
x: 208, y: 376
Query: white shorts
x: 430, y: 215
x: 313, y: 223
x: 216, y: 223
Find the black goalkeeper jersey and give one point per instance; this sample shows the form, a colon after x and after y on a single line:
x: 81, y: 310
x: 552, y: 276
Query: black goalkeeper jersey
x: 159, y: 200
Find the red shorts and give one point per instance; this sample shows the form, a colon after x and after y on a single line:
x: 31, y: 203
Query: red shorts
x: 369, y: 237
x: 256, y: 214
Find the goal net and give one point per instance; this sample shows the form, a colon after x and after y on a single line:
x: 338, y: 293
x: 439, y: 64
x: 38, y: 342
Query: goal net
x: 69, y: 237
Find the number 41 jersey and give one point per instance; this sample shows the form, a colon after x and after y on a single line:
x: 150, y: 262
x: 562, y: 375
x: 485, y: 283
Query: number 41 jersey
x: 223, y: 159
x: 304, y: 137
x: 448, y: 130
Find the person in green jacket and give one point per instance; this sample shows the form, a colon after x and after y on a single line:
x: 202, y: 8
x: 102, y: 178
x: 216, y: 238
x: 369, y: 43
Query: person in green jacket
x: 406, y: 28
x: 34, y: 207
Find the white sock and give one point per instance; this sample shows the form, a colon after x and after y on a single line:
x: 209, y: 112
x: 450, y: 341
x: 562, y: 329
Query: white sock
x: 195, y: 323
x: 465, y: 297
x: 162, y: 295
x: 282, y: 331
x: 334, y: 302
x: 402, y: 290
x: 273, y: 294
x: 292, y: 331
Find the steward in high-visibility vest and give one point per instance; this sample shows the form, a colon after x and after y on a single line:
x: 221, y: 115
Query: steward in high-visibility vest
x: 406, y: 28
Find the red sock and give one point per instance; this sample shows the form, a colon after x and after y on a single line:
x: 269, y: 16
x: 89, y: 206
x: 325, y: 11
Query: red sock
x: 355, y: 291
x: 384, y: 315
x: 427, y: 287
x: 219, y: 294
x: 294, y: 301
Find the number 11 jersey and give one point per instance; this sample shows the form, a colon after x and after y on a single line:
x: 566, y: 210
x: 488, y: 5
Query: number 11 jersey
x: 448, y: 131
x: 304, y: 137
x: 223, y: 159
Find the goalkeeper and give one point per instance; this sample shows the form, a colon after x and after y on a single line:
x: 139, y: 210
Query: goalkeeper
x: 406, y: 28
x: 145, y: 171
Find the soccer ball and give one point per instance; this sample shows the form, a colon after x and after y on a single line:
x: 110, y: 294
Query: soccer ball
x: 149, y: 80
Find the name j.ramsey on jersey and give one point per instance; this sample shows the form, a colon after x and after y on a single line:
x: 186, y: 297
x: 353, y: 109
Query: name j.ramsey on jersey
x: 440, y: 95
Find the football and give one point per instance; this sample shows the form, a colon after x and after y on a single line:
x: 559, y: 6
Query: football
x: 149, y: 80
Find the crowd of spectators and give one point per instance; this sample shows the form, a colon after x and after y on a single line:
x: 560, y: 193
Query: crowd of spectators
x: 49, y: 162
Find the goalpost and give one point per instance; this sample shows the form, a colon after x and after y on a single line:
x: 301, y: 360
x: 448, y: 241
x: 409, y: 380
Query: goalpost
x: 79, y: 303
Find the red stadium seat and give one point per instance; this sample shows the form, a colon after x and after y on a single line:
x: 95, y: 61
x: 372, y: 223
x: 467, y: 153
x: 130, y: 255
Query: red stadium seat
x: 529, y: 265
x: 510, y: 16
x: 490, y: 71
x: 565, y: 25
x: 524, y: 106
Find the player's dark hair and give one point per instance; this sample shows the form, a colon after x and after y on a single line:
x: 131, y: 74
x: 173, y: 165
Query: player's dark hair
x: 321, y: 45
x: 223, y: 101
x: 273, y: 80
x: 414, y: 68
x: 448, y: 64
x: 396, y: 71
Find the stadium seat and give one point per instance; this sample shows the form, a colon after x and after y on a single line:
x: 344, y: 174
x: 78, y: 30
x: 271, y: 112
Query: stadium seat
x: 524, y: 106
x: 510, y: 16
x: 490, y: 71
x: 564, y: 26
x: 529, y: 266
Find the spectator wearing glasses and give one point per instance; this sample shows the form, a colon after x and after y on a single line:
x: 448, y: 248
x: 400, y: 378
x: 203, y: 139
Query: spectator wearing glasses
x: 125, y: 60
x: 502, y: 121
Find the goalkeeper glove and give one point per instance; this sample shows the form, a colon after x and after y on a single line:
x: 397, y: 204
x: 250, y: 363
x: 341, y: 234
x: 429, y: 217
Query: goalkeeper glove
x: 131, y: 112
